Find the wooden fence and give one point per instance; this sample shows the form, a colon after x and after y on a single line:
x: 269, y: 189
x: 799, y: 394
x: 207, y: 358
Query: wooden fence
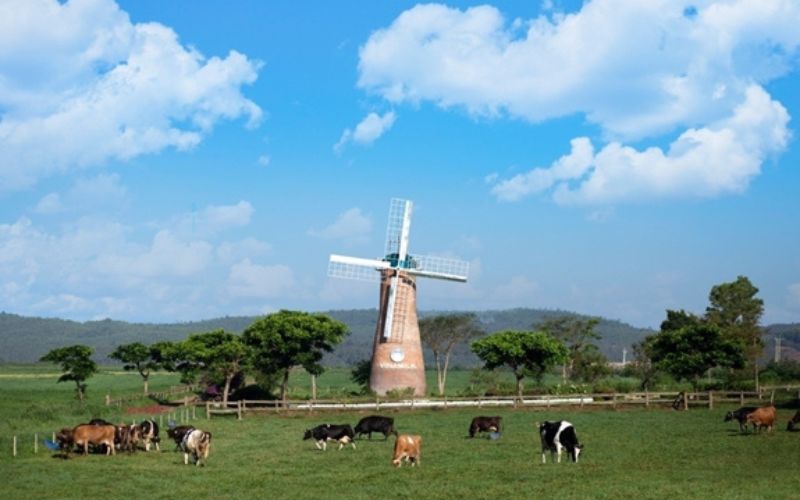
x: 161, y: 395
x: 682, y: 401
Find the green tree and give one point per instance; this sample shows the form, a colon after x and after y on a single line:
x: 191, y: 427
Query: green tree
x: 442, y: 334
x: 139, y: 357
x: 589, y: 364
x: 531, y: 352
x: 77, y: 365
x: 576, y: 333
x: 679, y: 319
x: 689, y: 352
x: 736, y: 310
x: 221, y: 354
x: 287, y: 339
x: 360, y: 374
x: 173, y: 357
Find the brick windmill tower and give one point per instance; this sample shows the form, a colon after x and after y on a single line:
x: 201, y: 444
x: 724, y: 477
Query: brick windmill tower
x: 397, y: 351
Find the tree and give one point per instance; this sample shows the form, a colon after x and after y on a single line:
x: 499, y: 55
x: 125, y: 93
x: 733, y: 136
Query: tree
x: 736, y: 311
x: 287, y: 339
x: 441, y: 334
x: 689, y: 352
x: 532, y: 352
x: 173, y: 357
x: 139, y: 357
x: 76, y: 364
x: 577, y: 333
x: 222, y: 354
x: 360, y: 373
x: 679, y: 319
x: 589, y: 364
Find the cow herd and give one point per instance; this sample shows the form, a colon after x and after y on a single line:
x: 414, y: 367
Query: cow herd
x: 762, y: 418
x: 555, y: 436
x: 105, y: 437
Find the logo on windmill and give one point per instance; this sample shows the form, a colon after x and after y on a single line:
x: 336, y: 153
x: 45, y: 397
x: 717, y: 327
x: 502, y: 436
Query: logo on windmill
x: 397, y: 350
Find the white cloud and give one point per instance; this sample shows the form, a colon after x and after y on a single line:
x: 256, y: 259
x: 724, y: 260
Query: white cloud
x: 103, y: 189
x: 794, y: 293
x: 257, y: 281
x: 367, y: 131
x: 349, y: 225
x: 264, y: 160
x: 519, y: 291
x: 720, y: 158
x: 49, y: 204
x: 80, y: 85
x: 636, y: 69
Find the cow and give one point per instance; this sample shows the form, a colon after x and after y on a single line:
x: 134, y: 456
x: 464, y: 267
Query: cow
x: 99, y: 421
x: 178, y: 433
x: 97, y: 435
x: 559, y: 435
x: 65, y: 441
x: 740, y: 416
x: 196, y: 443
x: 484, y: 424
x: 375, y: 423
x: 148, y: 430
x: 343, y: 434
x: 407, y: 448
x: 792, y: 426
x: 761, y: 418
x: 127, y: 437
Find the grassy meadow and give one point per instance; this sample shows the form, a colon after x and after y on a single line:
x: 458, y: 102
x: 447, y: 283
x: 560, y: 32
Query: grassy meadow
x: 640, y: 453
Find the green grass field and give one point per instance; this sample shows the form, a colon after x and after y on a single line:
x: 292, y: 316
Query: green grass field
x: 639, y: 453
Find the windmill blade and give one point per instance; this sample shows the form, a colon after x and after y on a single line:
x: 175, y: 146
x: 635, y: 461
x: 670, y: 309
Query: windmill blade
x: 397, y: 228
x: 354, y: 268
x: 389, y: 322
x: 439, y: 267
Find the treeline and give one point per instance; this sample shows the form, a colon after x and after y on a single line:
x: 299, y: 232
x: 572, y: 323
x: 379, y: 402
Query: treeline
x: 26, y: 339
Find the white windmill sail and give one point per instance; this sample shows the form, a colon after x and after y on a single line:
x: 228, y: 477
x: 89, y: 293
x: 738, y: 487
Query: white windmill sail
x: 397, y: 230
x: 442, y: 268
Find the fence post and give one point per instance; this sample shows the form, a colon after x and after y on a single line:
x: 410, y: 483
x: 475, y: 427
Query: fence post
x: 15, y: 446
x: 741, y: 398
x: 583, y: 396
x: 54, y: 436
x: 239, y: 410
x: 208, y: 410
x: 646, y: 398
x: 772, y: 397
x: 480, y: 401
x: 547, y: 398
x: 614, y: 400
x: 36, y: 442
x: 685, y: 401
x: 194, y: 412
x: 710, y: 400
x: 108, y: 399
x: 161, y: 421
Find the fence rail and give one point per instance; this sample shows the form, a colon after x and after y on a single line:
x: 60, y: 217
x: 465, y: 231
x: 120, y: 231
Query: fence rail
x: 178, y: 389
x: 682, y: 400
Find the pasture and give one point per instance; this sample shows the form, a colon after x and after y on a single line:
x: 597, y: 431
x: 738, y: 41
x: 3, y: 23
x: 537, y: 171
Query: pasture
x: 654, y: 453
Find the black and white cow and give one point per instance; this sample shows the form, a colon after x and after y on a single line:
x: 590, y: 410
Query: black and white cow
x: 148, y: 432
x: 557, y: 436
x: 740, y: 416
x: 375, y: 423
x: 197, y: 444
x: 321, y: 434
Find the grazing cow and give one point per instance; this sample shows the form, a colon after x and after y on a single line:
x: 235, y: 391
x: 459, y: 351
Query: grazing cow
x: 178, y: 433
x: 485, y: 424
x: 740, y: 416
x: 65, y: 441
x: 375, y: 423
x: 97, y: 435
x: 196, y: 443
x: 792, y: 426
x: 148, y: 430
x: 407, y: 448
x: 761, y: 418
x: 343, y: 434
x: 558, y: 435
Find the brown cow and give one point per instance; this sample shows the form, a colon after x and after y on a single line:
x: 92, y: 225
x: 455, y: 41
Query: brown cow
x: 485, y: 424
x: 762, y: 417
x: 85, y: 434
x: 408, y: 448
x: 127, y: 437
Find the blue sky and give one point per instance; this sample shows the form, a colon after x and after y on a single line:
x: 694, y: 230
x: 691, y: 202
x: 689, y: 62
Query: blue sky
x: 173, y: 161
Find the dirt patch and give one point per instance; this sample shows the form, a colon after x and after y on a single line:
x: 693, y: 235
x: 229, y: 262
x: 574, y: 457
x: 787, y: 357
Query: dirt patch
x: 148, y: 410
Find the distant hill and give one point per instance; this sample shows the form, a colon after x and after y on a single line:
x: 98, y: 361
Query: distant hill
x: 26, y: 339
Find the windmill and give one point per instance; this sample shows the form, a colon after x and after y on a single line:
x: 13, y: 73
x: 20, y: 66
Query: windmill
x: 397, y: 351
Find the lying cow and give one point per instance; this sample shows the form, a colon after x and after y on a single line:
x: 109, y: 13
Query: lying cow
x: 762, y: 418
x: 178, y: 433
x: 559, y: 435
x: 96, y: 435
x: 740, y: 416
x: 375, y: 423
x: 792, y: 426
x: 343, y: 434
x: 484, y: 424
x: 196, y: 443
x: 148, y: 431
x: 407, y: 448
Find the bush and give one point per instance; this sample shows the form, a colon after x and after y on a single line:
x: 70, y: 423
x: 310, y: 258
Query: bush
x: 786, y: 370
x: 404, y: 393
